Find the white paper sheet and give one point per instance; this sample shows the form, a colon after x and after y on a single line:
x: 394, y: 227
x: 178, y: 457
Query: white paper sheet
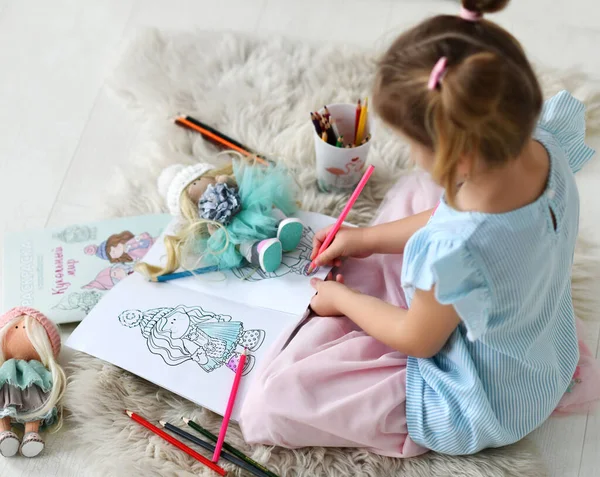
x: 287, y: 289
x: 148, y: 329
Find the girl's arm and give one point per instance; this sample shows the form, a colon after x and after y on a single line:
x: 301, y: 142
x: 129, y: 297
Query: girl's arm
x: 362, y: 242
x: 392, y: 236
x: 420, y: 332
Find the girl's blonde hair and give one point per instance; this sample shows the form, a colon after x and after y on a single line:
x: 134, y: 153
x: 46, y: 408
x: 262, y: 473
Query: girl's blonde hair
x: 486, y: 104
x: 41, y: 343
x: 180, y: 247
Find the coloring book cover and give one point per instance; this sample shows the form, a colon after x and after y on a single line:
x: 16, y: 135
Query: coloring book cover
x: 184, y: 341
x: 63, y: 272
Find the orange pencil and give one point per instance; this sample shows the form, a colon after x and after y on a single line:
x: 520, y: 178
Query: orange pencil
x: 180, y: 445
x: 218, y: 139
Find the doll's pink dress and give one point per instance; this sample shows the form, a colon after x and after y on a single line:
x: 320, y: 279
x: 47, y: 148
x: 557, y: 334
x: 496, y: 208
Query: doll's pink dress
x: 333, y: 385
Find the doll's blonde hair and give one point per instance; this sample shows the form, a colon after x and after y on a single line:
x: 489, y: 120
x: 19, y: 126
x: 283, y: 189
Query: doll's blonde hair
x: 180, y: 247
x: 41, y: 343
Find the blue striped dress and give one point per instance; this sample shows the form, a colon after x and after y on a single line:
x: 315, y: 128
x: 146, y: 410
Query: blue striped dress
x: 508, y: 276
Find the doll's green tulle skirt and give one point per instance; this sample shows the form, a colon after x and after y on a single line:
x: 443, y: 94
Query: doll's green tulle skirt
x: 261, y: 189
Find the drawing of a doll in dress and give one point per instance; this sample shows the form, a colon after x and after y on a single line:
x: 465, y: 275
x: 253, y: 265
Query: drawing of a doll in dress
x: 122, y: 248
x: 188, y: 333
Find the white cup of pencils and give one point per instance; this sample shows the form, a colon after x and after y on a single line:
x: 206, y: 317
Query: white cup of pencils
x: 342, y: 134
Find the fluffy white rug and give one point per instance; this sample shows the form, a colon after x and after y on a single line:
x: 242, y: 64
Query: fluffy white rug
x: 259, y: 91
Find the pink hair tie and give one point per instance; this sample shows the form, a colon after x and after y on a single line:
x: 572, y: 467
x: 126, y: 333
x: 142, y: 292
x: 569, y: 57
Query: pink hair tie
x: 436, y: 73
x: 470, y: 15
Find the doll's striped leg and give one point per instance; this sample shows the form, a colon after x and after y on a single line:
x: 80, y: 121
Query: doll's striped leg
x: 9, y: 441
x: 266, y: 254
x: 289, y: 230
x: 32, y: 444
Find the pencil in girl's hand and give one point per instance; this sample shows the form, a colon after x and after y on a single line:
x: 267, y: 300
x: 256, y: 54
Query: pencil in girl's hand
x: 211, y: 448
x: 230, y: 403
x: 338, y: 224
x: 357, y: 119
x: 176, y: 443
x: 228, y: 447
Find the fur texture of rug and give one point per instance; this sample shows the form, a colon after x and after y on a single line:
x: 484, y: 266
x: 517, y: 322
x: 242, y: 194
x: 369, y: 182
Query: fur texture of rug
x: 260, y: 91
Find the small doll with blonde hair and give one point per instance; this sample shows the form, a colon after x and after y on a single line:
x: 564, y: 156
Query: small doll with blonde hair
x: 230, y: 215
x: 31, y: 380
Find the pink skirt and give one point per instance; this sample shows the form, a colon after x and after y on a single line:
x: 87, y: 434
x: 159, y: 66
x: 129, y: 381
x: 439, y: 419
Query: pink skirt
x: 333, y: 385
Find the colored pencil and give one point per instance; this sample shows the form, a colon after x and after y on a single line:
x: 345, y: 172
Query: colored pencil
x: 180, y: 445
x: 327, y: 113
x: 228, y: 447
x: 335, y: 128
x: 362, y: 123
x: 366, y: 139
x: 229, y: 409
x: 340, y: 141
x: 324, y: 136
x: 219, y: 140
x: 316, y: 123
x: 218, y: 133
x: 186, y: 273
x: 357, y: 119
x: 335, y: 229
x: 211, y: 448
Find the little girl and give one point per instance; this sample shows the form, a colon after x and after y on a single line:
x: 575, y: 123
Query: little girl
x: 482, y: 345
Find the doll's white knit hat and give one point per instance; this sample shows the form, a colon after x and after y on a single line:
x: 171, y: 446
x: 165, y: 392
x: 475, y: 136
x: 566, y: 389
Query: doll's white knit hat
x: 174, y: 179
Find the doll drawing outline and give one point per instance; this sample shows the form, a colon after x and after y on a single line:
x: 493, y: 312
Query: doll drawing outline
x: 189, y: 333
x: 76, y: 234
x: 84, y: 301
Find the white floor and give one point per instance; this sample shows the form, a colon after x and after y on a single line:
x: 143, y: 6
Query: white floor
x: 61, y: 133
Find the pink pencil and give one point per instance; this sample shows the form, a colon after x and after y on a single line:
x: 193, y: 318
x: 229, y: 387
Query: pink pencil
x: 335, y: 229
x: 227, y: 416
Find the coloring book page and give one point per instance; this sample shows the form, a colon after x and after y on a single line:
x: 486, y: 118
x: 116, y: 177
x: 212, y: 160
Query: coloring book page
x: 188, y: 343
x: 287, y: 289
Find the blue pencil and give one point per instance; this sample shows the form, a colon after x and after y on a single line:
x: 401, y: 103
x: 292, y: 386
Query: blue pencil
x: 187, y: 273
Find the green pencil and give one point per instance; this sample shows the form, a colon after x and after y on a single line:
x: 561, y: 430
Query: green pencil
x: 340, y: 142
x: 228, y: 447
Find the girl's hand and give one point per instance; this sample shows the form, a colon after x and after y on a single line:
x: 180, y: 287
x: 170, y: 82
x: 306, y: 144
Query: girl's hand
x: 329, y: 294
x: 348, y: 242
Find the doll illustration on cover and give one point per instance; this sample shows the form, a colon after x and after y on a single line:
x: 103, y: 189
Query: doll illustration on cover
x: 122, y: 248
x: 31, y: 381
x: 236, y: 215
x: 188, y: 333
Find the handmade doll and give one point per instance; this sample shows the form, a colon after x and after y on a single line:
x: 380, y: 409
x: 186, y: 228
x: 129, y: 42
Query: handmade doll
x: 228, y: 216
x: 31, y: 381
